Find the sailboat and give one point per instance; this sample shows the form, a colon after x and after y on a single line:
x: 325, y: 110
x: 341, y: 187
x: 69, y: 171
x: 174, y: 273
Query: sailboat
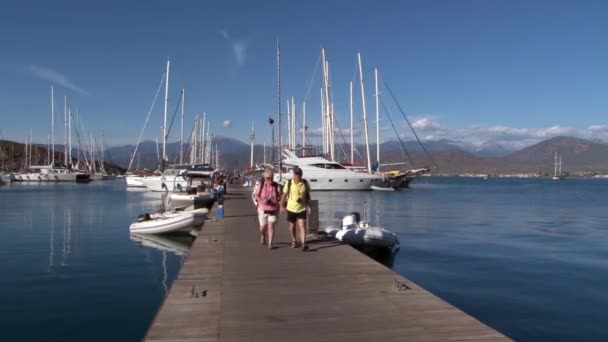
x: 557, y: 169
x: 170, y: 179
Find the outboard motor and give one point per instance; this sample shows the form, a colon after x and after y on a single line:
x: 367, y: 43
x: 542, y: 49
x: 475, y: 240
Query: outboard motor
x: 351, y: 220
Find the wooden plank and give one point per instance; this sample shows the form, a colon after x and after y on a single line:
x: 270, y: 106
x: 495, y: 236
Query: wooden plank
x: 230, y: 288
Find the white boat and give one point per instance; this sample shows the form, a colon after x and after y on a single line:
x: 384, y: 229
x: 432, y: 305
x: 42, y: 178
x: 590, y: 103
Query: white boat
x: 382, y: 188
x: 170, y: 180
x: 176, y: 221
x: 134, y: 181
x: 199, y: 200
x: 323, y: 174
x: 357, y: 233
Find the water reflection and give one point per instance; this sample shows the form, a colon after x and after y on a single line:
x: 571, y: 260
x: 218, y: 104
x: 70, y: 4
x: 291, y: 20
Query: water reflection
x: 178, y: 245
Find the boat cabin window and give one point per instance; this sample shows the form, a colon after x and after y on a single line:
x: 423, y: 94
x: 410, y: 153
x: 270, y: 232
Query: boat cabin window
x: 329, y: 166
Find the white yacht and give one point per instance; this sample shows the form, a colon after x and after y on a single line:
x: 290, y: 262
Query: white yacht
x: 170, y: 180
x: 134, y: 181
x: 323, y: 174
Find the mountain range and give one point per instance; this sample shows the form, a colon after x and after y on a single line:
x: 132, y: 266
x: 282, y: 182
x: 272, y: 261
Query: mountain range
x: 578, y: 155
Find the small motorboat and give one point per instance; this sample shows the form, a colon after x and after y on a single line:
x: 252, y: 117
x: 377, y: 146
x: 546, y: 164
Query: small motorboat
x: 197, y: 200
x: 174, y: 221
x: 382, y: 188
x: 357, y: 233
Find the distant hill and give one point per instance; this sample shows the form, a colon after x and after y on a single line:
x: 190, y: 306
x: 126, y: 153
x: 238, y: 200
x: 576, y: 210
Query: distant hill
x: 577, y: 155
x: 12, y: 157
x: 450, y: 156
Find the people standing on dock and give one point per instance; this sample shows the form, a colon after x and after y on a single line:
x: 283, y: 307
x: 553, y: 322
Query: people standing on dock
x: 267, y: 197
x: 296, y: 199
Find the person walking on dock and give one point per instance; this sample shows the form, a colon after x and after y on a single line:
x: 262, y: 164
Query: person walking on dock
x: 296, y: 199
x: 267, y: 197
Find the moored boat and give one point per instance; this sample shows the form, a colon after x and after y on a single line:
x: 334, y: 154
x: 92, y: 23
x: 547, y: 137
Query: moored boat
x: 358, y: 233
x: 175, y: 221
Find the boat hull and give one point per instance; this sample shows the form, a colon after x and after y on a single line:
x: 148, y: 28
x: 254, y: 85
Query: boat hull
x: 340, y: 182
x: 135, y: 182
x: 163, y: 183
x: 197, y: 201
x: 171, y: 222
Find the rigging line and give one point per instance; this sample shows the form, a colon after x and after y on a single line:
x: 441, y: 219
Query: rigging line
x: 146, y: 123
x: 403, y: 149
x: 408, y: 122
x: 174, y: 114
x: 340, y: 145
x: 312, y: 79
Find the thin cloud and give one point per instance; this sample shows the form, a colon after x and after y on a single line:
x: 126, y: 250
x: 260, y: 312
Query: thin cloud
x: 239, y: 47
x: 54, y: 77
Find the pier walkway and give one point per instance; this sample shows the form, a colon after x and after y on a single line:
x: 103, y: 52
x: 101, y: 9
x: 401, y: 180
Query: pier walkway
x: 231, y: 288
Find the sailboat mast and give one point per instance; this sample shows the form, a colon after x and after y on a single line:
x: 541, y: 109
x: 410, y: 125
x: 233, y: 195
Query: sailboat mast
x: 162, y: 163
x: 323, y: 123
x: 326, y: 97
x: 181, y: 135
x: 377, y: 119
x: 352, y: 136
x: 369, y: 164
x: 252, y: 142
x: 293, y: 123
x: 70, y: 136
x: 289, y: 124
x: 52, y: 127
x: 65, y: 131
x: 279, y: 106
x: 303, y: 123
x: 555, y: 165
x: 203, y: 139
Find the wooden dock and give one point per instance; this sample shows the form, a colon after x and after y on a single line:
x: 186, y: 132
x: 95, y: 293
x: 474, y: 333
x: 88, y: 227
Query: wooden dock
x: 231, y: 288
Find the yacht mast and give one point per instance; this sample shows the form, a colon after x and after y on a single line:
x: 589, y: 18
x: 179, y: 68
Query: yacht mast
x: 162, y: 162
x: 369, y: 164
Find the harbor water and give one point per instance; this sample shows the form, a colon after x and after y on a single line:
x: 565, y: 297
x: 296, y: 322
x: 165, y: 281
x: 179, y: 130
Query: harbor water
x: 525, y: 256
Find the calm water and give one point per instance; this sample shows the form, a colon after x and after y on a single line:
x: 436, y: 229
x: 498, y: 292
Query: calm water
x: 71, y: 272
x: 525, y: 256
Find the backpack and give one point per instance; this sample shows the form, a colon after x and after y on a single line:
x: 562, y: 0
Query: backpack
x: 273, y: 184
x: 306, y: 186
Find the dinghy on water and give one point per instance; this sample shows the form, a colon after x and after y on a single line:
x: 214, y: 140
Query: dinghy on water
x: 175, y: 221
x: 382, y: 188
x: 358, y: 233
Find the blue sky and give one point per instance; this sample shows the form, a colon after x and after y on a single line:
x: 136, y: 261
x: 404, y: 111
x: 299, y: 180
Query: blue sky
x: 477, y: 71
